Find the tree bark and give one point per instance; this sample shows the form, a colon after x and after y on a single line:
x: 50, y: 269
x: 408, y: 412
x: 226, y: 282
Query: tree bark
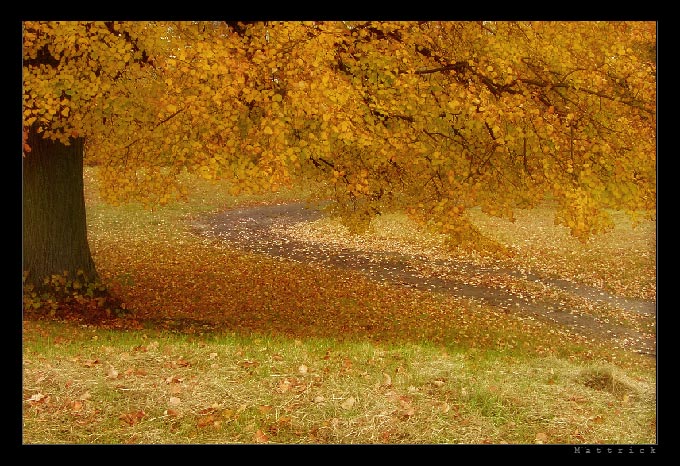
x: 54, y: 219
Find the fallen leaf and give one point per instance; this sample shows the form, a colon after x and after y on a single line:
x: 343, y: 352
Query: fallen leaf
x: 348, y: 403
x: 302, y: 369
x: 76, y: 406
x: 212, y: 355
x: 171, y: 412
x: 205, y: 421
x: 132, y: 417
x: 541, y: 437
x: 284, y: 386
x: 174, y: 401
x: 260, y: 437
x: 37, y: 398
x: 388, y: 380
x: 264, y: 409
x: 112, y: 373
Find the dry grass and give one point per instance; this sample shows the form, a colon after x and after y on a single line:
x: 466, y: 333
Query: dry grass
x: 97, y: 386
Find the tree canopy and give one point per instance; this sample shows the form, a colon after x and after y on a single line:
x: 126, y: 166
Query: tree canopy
x: 432, y: 118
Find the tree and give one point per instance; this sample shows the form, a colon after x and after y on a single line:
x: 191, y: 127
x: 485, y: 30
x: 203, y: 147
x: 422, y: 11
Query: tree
x: 432, y: 118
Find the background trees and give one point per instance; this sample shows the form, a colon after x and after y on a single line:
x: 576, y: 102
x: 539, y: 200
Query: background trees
x: 432, y: 118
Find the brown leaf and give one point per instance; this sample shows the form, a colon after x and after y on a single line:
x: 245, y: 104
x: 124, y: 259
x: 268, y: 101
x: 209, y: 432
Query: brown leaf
x: 264, y: 409
x: 260, y: 437
x: 132, y: 417
x: 174, y: 379
x: 76, y: 406
x: 205, y: 421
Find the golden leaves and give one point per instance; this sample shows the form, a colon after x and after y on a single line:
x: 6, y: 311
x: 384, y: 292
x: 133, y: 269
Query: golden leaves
x: 507, y: 112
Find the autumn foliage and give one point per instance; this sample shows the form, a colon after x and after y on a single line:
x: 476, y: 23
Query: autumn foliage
x: 430, y: 118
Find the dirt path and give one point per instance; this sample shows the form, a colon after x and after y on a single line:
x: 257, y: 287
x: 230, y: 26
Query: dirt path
x: 258, y: 229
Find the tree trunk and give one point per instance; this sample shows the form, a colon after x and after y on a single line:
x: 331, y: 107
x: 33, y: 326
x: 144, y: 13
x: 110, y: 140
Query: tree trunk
x: 54, y: 222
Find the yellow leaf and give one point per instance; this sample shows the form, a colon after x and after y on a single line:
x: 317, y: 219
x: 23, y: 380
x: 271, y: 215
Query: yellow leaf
x: 268, y: 130
x: 65, y: 111
x: 172, y: 108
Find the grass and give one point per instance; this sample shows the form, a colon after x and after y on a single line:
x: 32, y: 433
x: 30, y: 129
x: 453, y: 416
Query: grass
x: 225, y: 347
x: 103, y: 386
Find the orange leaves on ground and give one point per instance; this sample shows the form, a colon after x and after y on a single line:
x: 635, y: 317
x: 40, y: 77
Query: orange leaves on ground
x: 133, y: 417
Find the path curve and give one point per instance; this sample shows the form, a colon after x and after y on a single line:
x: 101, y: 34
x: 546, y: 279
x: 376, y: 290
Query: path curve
x: 258, y: 229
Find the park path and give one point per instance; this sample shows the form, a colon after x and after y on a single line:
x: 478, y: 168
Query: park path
x: 261, y: 229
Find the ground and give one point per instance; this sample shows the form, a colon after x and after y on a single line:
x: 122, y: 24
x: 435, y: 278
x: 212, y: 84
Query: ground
x: 270, y: 230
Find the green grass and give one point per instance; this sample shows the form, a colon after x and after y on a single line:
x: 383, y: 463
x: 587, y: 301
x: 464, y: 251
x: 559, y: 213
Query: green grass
x: 225, y: 347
